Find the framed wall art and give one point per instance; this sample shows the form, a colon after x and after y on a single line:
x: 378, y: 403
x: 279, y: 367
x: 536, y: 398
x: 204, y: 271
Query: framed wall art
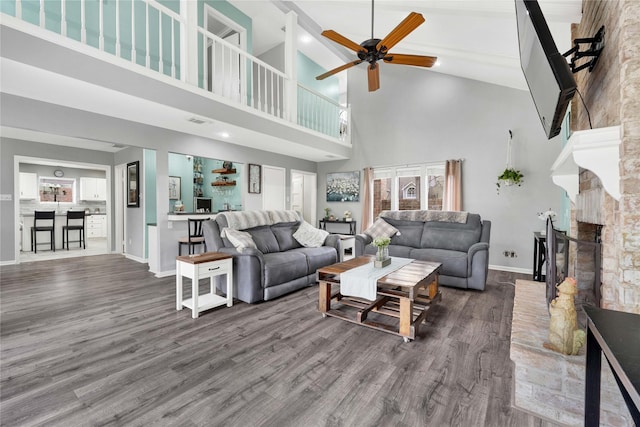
x: 255, y: 179
x: 133, y: 184
x: 174, y: 188
x: 343, y: 187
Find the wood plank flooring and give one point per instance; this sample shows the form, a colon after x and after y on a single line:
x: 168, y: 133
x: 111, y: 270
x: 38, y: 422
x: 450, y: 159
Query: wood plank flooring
x: 97, y: 341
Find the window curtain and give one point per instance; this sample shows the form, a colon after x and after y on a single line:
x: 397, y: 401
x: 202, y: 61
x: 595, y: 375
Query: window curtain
x: 453, y: 186
x: 367, y: 198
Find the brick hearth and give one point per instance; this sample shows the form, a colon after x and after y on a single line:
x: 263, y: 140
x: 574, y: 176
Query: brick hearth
x: 549, y: 384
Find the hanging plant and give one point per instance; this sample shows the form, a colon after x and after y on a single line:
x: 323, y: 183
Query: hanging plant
x: 510, y: 176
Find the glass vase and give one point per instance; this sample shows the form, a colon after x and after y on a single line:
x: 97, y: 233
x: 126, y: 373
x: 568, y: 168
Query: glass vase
x: 383, y: 253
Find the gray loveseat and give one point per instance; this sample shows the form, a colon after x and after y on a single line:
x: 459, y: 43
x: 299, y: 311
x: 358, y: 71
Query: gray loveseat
x: 461, y: 247
x: 279, y: 264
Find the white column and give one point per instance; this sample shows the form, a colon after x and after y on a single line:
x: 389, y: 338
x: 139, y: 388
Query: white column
x: 189, y: 42
x: 290, y: 66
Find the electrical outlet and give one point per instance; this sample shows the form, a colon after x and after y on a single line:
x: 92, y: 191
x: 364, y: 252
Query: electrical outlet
x: 129, y: 242
x: 513, y: 254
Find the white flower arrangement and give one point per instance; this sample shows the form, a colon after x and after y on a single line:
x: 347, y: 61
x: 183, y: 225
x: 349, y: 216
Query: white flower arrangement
x: 381, y: 241
x: 347, y: 214
x: 546, y: 214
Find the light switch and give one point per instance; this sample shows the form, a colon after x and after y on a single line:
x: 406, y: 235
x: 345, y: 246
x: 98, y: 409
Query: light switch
x: 5, y: 197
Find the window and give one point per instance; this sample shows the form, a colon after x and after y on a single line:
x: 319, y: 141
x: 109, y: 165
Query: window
x: 57, y: 190
x: 400, y: 188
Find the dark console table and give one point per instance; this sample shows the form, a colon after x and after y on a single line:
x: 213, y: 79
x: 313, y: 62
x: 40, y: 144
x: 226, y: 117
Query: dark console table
x: 616, y: 335
x: 352, y: 224
x: 539, y: 256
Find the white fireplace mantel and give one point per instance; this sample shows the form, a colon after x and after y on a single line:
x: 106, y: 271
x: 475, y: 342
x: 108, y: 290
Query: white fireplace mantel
x: 597, y: 150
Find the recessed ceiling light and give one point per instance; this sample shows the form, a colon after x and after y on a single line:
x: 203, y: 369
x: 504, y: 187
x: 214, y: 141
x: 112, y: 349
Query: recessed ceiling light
x: 224, y: 134
x: 305, y: 38
x: 438, y: 63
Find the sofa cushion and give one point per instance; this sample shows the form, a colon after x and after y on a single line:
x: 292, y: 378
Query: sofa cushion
x: 450, y: 235
x: 410, y: 232
x: 309, y: 236
x: 284, y: 235
x: 281, y: 267
x: 265, y: 239
x: 454, y: 263
x: 239, y: 239
x: 318, y: 257
x: 380, y: 228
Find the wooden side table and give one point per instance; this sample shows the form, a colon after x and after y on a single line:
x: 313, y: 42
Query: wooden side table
x: 196, y: 267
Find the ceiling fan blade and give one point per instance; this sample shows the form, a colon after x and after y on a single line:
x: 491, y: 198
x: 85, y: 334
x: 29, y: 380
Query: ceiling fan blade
x: 373, y: 74
x: 338, y: 69
x: 403, y: 29
x: 417, y: 60
x: 340, y: 39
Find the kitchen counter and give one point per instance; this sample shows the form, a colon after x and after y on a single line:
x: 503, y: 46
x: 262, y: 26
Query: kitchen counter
x: 63, y: 214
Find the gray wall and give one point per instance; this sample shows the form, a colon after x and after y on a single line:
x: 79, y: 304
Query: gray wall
x: 421, y: 116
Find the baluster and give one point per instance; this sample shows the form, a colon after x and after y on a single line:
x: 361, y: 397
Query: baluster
x: 146, y: 24
x: 83, y: 21
x: 173, y: 48
x: 277, y: 96
x: 42, y: 15
x: 63, y: 17
x: 100, y: 25
x: 205, y: 64
x: 160, y: 53
x: 19, y: 9
x: 243, y: 79
x: 117, y: 29
x: 134, y: 52
x: 259, y: 87
x: 273, y: 95
x: 266, y: 88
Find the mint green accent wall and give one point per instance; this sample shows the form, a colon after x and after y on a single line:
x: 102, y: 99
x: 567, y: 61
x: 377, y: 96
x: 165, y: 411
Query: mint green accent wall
x: 564, y: 217
x: 150, y: 205
x: 307, y: 72
x: 228, y: 194
x: 180, y: 165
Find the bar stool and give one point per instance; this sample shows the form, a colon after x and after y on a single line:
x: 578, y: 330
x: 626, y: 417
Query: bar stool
x: 196, y: 236
x: 77, y: 224
x: 43, y: 216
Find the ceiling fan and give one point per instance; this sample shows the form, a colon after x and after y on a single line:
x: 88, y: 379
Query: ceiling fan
x: 373, y: 50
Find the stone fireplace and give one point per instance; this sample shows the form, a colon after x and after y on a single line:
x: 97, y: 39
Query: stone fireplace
x: 600, y: 170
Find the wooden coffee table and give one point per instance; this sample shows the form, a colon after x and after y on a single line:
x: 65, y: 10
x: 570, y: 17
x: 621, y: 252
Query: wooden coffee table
x: 404, y: 295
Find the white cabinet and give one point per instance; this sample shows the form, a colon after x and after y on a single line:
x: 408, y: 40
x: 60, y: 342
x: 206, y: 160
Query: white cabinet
x: 96, y: 226
x: 93, y: 188
x: 28, y: 186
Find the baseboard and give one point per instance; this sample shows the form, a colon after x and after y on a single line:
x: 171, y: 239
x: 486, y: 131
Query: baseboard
x: 510, y: 269
x: 135, y: 258
x: 10, y: 262
x: 165, y: 274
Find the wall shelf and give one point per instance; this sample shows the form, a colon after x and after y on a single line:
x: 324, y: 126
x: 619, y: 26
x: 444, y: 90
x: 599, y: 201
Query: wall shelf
x: 223, y: 183
x: 224, y: 171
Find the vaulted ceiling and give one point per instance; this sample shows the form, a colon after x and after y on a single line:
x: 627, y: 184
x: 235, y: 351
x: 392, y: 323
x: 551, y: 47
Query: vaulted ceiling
x: 475, y: 39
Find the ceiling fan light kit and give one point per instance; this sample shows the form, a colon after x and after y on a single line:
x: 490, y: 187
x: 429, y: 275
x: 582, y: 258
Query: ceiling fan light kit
x: 374, y: 50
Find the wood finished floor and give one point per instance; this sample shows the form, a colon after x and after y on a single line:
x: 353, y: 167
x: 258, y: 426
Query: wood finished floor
x: 97, y: 341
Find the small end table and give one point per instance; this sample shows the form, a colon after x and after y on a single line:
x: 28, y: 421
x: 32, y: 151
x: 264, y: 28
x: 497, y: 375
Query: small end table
x: 201, y: 266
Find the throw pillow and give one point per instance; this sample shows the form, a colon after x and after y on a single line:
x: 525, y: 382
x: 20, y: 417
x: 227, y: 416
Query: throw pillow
x: 381, y: 228
x: 239, y: 239
x: 309, y: 236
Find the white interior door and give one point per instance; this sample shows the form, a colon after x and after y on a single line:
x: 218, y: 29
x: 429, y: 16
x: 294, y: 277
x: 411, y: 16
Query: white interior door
x: 304, y: 194
x: 120, y: 206
x: 273, y: 188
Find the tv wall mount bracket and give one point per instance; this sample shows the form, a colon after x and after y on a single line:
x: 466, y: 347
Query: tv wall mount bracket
x: 596, y: 44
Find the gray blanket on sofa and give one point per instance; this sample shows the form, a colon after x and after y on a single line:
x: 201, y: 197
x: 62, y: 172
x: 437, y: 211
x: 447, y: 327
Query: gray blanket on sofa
x: 418, y: 215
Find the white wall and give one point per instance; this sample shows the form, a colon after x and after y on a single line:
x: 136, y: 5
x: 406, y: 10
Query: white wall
x: 422, y: 116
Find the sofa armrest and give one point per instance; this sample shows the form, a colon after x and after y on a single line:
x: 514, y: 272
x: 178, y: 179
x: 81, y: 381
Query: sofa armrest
x: 333, y: 240
x: 478, y: 265
x: 362, y: 240
x: 248, y: 274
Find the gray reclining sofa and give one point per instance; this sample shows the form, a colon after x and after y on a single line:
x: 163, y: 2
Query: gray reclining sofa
x: 458, y: 240
x: 279, y: 264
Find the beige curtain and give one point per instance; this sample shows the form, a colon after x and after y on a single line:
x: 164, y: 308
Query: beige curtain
x: 367, y: 198
x: 453, y: 186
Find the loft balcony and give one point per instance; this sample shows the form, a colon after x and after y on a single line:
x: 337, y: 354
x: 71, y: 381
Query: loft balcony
x: 144, y: 57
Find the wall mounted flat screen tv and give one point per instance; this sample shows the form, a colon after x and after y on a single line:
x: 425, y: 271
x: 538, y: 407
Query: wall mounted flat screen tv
x: 548, y: 75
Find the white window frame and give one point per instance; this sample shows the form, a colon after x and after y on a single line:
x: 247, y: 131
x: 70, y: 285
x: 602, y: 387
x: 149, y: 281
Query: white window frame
x: 396, y: 172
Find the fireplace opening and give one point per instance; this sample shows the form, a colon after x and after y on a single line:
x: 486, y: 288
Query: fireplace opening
x: 579, y: 258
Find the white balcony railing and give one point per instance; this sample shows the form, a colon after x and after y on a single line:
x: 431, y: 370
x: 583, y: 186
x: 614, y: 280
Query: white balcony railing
x: 149, y: 34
